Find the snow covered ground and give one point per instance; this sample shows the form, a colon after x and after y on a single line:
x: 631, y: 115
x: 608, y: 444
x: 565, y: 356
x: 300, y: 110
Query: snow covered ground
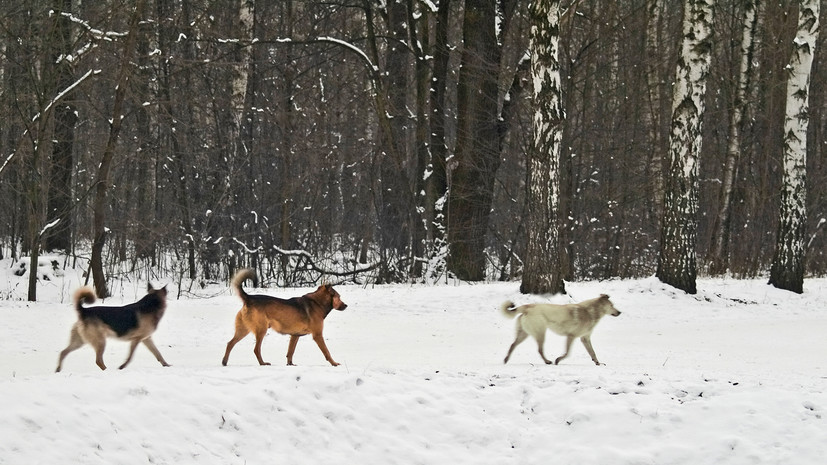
x: 735, y: 374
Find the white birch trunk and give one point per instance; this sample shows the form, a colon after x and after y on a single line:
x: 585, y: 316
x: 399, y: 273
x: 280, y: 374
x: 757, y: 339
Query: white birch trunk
x: 676, y: 261
x: 542, y: 264
x: 787, y: 271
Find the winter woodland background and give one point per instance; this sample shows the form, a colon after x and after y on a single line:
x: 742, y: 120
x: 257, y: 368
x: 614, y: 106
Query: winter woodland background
x: 339, y: 138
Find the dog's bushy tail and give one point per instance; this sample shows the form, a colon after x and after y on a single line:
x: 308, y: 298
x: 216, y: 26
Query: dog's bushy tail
x: 509, y: 309
x: 239, y: 278
x: 84, y: 295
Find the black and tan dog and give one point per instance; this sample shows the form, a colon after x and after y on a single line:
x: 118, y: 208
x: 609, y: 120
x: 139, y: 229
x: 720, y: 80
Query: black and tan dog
x: 295, y: 317
x: 134, y: 323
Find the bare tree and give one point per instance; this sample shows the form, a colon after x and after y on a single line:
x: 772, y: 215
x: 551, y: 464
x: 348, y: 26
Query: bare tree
x: 787, y: 271
x: 105, y: 167
x: 719, y: 253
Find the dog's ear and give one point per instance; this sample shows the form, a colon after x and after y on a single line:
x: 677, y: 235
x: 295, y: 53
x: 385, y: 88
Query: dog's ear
x: 149, y: 287
x: 604, y: 296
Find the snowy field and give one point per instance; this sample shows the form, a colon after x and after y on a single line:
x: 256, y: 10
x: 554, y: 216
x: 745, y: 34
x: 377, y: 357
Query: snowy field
x: 733, y: 375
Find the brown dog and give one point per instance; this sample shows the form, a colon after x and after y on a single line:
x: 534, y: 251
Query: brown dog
x: 134, y: 323
x: 296, y: 317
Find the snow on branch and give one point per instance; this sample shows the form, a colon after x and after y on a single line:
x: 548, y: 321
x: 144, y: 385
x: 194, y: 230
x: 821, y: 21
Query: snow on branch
x: 353, y: 48
x: 65, y: 91
x: 48, y: 227
x: 97, y: 33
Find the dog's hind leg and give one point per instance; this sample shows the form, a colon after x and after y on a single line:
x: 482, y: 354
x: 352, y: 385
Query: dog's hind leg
x: 132, y: 345
x: 151, y: 346
x: 75, y: 343
x: 521, y: 336
x: 569, y: 340
x: 540, y: 342
x: 241, y: 332
x: 587, y: 343
x: 99, y: 345
x: 259, y: 333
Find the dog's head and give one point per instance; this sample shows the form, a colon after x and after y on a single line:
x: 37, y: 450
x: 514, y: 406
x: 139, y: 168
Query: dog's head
x: 335, y: 298
x: 607, y: 306
x: 159, y: 293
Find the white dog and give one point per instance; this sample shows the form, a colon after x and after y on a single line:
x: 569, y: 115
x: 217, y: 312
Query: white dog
x: 570, y: 320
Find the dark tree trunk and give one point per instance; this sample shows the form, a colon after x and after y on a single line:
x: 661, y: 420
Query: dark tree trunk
x: 105, y: 167
x: 437, y: 185
x: 59, y: 202
x: 394, y: 189
x: 420, y: 223
x: 478, y: 141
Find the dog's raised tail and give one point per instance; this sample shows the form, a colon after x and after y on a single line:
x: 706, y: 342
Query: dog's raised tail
x: 84, y: 295
x: 509, y: 309
x: 239, y: 278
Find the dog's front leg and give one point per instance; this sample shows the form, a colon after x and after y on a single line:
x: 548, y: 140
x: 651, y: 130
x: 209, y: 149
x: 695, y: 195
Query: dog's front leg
x: 320, y: 342
x: 291, y: 348
x: 151, y: 346
x: 587, y: 343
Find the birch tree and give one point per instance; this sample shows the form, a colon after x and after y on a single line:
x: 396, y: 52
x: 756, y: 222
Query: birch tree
x: 676, y: 260
x: 719, y: 253
x: 542, y: 272
x: 787, y: 271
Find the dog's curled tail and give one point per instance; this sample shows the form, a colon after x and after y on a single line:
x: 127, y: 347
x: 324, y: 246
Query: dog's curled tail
x: 239, y: 278
x: 509, y: 309
x: 84, y: 295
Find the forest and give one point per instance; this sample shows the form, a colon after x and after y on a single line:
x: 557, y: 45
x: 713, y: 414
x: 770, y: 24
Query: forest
x: 380, y: 141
